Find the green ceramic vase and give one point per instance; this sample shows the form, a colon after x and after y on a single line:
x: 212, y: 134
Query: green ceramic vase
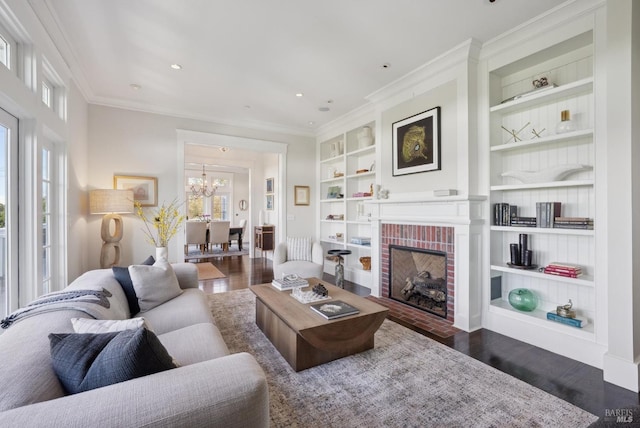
x: 523, y: 299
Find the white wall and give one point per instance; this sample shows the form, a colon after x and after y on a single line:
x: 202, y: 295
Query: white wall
x: 135, y: 143
x: 77, y: 175
x: 446, y: 98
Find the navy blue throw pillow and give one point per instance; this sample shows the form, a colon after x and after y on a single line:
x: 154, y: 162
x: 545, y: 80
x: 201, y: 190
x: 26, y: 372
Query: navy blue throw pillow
x: 87, y: 361
x: 123, y: 277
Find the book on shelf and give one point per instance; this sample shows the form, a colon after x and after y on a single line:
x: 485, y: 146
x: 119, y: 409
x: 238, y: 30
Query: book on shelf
x: 334, y: 309
x: 288, y: 283
x: 573, y: 223
x: 574, y: 322
x: 546, y: 212
x: 564, y: 265
x: 523, y: 221
x: 566, y: 270
x: 361, y: 240
x: 503, y: 213
x: 565, y: 274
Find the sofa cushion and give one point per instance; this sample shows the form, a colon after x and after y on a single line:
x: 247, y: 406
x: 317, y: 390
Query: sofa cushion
x: 188, y: 308
x: 87, y: 361
x: 194, y: 344
x: 299, y: 249
x: 124, y: 278
x: 88, y: 325
x: 155, y: 284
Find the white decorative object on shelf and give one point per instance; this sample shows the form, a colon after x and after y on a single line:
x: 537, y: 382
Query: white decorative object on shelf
x: 365, y: 138
x: 336, y: 148
x: 554, y: 173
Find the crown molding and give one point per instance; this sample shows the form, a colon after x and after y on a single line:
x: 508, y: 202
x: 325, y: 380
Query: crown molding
x: 460, y: 54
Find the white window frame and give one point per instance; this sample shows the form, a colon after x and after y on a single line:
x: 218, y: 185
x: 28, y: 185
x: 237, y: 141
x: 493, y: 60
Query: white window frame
x: 57, y: 90
x: 57, y: 208
x: 12, y: 47
x: 12, y: 223
x: 46, y: 91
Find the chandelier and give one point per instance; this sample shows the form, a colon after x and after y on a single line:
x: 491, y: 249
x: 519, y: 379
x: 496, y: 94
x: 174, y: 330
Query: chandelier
x: 201, y: 190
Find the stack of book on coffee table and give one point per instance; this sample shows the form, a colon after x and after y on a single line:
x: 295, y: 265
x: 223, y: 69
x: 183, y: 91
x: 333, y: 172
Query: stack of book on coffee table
x: 289, y: 282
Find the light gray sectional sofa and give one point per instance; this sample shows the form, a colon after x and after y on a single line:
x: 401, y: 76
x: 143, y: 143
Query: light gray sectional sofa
x: 210, y: 388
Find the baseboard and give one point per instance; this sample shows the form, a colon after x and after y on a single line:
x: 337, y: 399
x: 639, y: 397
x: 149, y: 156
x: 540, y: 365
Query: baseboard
x: 625, y: 374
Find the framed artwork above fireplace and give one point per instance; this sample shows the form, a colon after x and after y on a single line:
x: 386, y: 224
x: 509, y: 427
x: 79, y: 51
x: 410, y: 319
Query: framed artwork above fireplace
x: 416, y: 143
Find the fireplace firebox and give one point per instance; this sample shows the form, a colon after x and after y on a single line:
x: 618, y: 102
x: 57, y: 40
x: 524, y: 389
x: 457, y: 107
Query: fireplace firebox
x: 418, y: 277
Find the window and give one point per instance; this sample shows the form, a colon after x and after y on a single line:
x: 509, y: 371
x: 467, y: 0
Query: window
x: 220, y: 206
x: 5, y: 52
x: 53, y: 91
x: 8, y: 213
x: 8, y: 49
x: 46, y: 93
x: 46, y: 221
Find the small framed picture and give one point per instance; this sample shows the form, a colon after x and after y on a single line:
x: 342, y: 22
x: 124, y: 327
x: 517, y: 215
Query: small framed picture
x: 145, y: 189
x: 416, y: 143
x: 270, y: 202
x: 269, y: 185
x: 301, y: 195
x: 333, y: 192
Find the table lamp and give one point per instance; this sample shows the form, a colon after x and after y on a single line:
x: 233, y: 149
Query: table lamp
x: 111, y: 203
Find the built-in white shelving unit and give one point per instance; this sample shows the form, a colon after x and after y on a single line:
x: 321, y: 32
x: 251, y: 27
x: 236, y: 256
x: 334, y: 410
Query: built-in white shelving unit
x: 569, y: 65
x: 347, y: 167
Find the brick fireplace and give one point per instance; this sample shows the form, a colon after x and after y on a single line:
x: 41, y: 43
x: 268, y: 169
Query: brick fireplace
x: 451, y: 226
x: 436, y: 240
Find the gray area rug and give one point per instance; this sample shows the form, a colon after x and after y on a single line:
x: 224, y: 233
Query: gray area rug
x: 407, y: 380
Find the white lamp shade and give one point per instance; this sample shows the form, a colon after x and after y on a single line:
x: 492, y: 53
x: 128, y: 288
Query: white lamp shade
x: 104, y: 201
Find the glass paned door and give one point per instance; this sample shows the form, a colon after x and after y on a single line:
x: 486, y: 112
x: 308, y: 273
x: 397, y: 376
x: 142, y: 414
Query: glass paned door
x: 8, y: 213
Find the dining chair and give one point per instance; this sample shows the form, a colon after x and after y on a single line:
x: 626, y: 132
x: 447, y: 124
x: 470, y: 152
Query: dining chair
x: 219, y: 234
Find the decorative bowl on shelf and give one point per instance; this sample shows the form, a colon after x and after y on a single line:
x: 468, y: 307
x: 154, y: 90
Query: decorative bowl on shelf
x: 554, y: 173
x: 523, y: 299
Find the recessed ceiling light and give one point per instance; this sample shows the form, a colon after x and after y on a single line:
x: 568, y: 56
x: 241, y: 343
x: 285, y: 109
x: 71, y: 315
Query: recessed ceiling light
x: 299, y: 94
x: 135, y: 86
x: 385, y: 65
x: 176, y: 66
x: 311, y: 122
x: 323, y: 108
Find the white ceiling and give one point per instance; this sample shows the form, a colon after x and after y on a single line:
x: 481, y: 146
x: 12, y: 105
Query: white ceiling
x: 244, y: 60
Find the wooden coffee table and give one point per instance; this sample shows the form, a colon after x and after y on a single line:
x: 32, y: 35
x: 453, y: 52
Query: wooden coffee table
x: 306, y: 339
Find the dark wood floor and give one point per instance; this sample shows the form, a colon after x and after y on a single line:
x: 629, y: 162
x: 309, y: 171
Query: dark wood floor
x: 577, y: 383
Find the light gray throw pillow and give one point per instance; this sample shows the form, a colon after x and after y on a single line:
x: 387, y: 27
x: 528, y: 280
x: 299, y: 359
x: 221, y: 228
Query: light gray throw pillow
x: 155, y: 284
x: 89, y: 325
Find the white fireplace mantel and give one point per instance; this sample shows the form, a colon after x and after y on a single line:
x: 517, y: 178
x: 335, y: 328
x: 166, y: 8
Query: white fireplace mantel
x: 466, y: 214
x: 446, y: 210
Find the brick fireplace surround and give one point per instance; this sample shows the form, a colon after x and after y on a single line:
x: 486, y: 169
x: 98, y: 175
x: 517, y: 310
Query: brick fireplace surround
x: 438, y: 238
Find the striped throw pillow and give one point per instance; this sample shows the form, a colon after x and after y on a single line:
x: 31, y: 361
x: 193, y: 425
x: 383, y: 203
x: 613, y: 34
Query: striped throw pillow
x: 299, y: 249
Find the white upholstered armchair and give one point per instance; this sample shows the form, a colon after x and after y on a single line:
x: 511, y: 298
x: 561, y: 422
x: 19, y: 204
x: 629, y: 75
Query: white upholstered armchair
x: 300, y: 256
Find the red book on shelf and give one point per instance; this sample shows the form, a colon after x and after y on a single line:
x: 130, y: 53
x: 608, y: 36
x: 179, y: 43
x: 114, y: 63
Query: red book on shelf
x: 562, y: 269
x: 565, y: 274
x: 563, y: 265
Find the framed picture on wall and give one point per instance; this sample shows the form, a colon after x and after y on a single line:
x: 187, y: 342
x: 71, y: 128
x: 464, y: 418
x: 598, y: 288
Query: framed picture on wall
x: 269, y: 185
x: 270, y: 202
x: 416, y: 143
x: 301, y: 195
x: 145, y: 189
